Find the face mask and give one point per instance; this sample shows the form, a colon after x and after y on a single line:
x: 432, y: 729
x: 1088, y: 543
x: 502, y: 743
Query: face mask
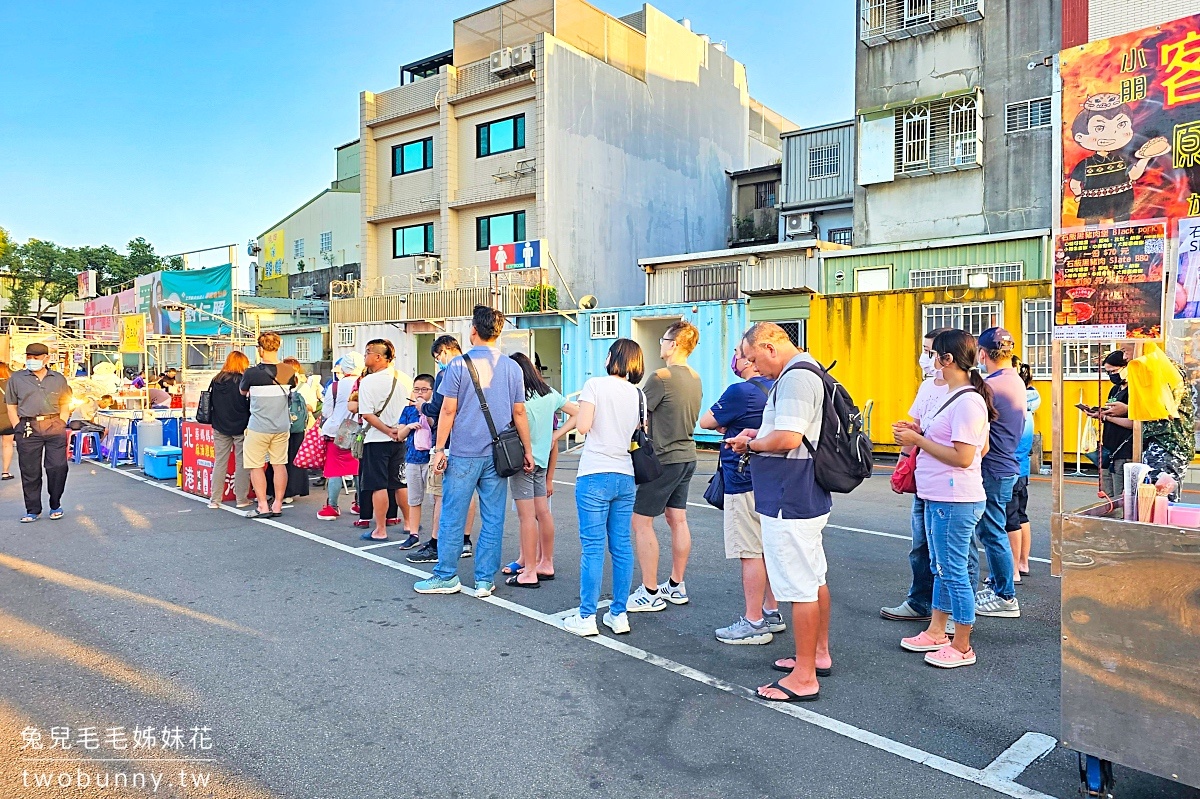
x: 440, y: 366
x: 926, y: 362
x: 1115, y: 377
x: 982, y: 368
x: 33, y: 364
x: 733, y: 364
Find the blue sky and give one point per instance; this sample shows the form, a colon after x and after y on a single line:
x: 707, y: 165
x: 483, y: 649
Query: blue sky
x: 198, y: 124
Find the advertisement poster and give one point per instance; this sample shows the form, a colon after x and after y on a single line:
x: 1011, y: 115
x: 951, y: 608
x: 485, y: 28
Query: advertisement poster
x: 103, y: 314
x: 1131, y: 126
x: 85, y: 284
x: 209, y: 290
x: 1108, y: 282
x: 199, y: 451
x: 272, y: 253
x: 133, y: 334
x: 1187, y: 275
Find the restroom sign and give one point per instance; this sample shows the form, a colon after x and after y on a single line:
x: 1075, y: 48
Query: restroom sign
x: 518, y: 255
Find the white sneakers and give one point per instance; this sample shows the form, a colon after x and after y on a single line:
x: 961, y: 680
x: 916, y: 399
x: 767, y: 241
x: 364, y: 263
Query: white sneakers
x: 618, y: 624
x: 586, y: 627
x: 642, y: 601
x: 676, y: 595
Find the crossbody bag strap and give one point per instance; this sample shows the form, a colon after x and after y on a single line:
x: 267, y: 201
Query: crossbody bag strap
x: 753, y: 381
x: 392, y: 391
x: 642, y: 422
x: 946, y: 404
x: 487, y: 414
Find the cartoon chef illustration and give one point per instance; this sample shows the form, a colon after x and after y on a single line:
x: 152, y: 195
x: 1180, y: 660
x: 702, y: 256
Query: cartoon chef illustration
x: 1103, y: 182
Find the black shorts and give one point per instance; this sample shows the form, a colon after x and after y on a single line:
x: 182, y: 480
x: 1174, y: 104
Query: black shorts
x: 382, y: 466
x: 668, y: 491
x: 1017, y: 506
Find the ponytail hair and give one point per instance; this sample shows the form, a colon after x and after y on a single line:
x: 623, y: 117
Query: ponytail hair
x: 1025, y: 372
x: 960, y: 346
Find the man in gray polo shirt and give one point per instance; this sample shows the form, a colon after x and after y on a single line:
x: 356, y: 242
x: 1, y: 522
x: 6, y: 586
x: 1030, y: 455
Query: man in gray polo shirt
x: 39, y: 402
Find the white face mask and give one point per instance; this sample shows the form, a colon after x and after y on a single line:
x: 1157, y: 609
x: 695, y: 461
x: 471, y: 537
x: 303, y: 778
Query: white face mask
x: 33, y: 364
x: 927, y: 365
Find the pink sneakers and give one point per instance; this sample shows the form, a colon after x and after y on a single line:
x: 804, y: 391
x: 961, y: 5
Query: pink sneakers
x: 328, y: 513
x: 950, y: 658
x: 922, y: 642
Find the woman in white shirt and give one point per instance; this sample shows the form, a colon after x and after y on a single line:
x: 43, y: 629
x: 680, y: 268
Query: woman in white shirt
x: 339, y: 462
x: 604, y: 486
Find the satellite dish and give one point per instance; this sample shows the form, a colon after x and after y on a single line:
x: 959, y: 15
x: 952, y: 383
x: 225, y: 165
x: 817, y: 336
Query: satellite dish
x: 587, y: 302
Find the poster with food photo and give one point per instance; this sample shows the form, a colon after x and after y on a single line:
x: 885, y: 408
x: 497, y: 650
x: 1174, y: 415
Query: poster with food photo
x: 1108, y: 282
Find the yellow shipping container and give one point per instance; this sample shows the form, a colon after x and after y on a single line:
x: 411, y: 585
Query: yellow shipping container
x: 875, y: 338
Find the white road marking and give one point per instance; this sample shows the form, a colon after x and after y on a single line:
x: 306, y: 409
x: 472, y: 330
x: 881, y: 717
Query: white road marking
x: 384, y: 544
x: 706, y: 506
x: 1021, y: 755
x: 982, y: 777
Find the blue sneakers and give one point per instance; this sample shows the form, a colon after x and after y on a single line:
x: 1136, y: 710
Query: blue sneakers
x: 435, y: 585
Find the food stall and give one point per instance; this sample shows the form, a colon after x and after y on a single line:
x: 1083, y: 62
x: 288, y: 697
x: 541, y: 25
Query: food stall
x: 1125, y: 237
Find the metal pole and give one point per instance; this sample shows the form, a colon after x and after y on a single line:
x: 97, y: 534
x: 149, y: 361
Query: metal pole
x: 1056, y: 458
x: 183, y: 347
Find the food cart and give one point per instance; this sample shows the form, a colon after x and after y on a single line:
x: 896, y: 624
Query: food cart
x: 1126, y: 261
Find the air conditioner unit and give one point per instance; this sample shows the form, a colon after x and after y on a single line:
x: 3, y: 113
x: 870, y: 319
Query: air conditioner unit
x: 502, y: 61
x: 522, y: 57
x: 799, y: 225
x: 427, y: 267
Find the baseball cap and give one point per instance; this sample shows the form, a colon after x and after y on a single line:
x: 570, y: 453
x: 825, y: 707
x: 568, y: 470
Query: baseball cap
x: 37, y: 348
x: 995, y: 338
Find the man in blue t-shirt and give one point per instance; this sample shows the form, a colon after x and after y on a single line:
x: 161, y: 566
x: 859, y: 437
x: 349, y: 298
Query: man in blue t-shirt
x: 471, y: 468
x: 741, y: 408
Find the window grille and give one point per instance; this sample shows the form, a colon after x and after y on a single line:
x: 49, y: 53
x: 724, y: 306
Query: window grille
x: 942, y: 136
x: 882, y: 21
x: 604, y: 325
x: 973, y: 317
x: 824, y: 161
x: 302, y: 351
x: 842, y: 235
x: 1080, y: 361
x: 298, y: 248
x: 1027, y: 115
x: 327, y: 241
x: 764, y: 194
x: 796, y: 331
x: 346, y: 336
x: 711, y: 282
x: 957, y: 275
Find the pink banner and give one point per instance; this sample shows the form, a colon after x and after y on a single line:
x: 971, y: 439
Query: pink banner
x: 102, y: 314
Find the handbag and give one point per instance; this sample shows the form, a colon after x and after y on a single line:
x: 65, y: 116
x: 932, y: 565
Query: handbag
x: 646, y: 466
x: 311, y: 453
x: 360, y: 435
x: 715, y: 493
x: 508, y: 453
x: 298, y: 410
x: 343, y: 435
x: 204, y: 407
x: 904, y: 477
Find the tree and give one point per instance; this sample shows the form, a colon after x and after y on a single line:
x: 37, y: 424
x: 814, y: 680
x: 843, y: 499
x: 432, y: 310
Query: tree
x: 44, y: 275
x: 111, y: 267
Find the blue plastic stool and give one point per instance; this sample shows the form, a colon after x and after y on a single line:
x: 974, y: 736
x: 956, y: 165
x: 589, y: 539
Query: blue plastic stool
x: 123, y: 449
x: 79, y: 438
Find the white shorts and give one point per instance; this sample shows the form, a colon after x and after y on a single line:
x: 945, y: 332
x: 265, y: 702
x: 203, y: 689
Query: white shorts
x: 795, y: 557
x: 743, y: 530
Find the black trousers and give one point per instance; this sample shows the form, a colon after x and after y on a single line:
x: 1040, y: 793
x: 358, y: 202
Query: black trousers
x: 41, y: 444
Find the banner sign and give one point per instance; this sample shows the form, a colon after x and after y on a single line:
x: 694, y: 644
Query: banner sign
x: 1131, y: 126
x: 518, y: 255
x: 198, y: 458
x: 1108, y: 282
x: 85, y: 285
x: 272, y: 253
x: 210, y: 290
x: 133, y: 334
x: 1187, y: 276
x: 103, y: 314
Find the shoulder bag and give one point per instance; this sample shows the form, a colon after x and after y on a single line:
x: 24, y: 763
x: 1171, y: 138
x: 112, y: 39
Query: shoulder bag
x: 347, y: 429
x: 508, y: 453
x: 715, y: 493
x: 204, y: 406
x: 646, y: 466
x: 360, y: 435
x: 904, y: 477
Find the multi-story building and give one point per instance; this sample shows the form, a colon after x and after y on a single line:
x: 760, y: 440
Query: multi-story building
x: 318, y: 242
x: 953, y: 103
x: 818, y: 184
x: 597, y: 140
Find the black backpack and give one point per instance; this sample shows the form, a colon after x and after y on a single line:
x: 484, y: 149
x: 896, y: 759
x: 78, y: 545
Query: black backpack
x: 843, y: 457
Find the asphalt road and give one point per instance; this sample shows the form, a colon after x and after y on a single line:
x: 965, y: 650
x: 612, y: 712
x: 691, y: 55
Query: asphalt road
x: 311, y: 669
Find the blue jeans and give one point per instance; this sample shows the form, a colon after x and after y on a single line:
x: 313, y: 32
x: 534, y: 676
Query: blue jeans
x: 920, y: 593
x: 465, y: 476
x: 949, y: 526
x: 993, y: 537
x: 605, y: 505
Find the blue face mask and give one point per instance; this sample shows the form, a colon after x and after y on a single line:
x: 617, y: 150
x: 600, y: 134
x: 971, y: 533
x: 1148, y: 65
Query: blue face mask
x: 440, y: 366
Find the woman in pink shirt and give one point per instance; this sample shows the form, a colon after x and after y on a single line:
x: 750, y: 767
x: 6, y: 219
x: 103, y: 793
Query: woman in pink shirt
x: 950, y: 482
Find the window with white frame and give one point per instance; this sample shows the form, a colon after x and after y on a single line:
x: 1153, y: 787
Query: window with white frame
x: 604, y: 325
x: 824, y: 161
x: 302, y: 351
x: 345, y: 336
x: 1027, y: 115
x: 941, y: 136
x: 1080, y: 361
x: 298, y: 248
x: 796, y: 331
x: 327, y: 241
x: 958, y: 275
x: 973, y: 317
